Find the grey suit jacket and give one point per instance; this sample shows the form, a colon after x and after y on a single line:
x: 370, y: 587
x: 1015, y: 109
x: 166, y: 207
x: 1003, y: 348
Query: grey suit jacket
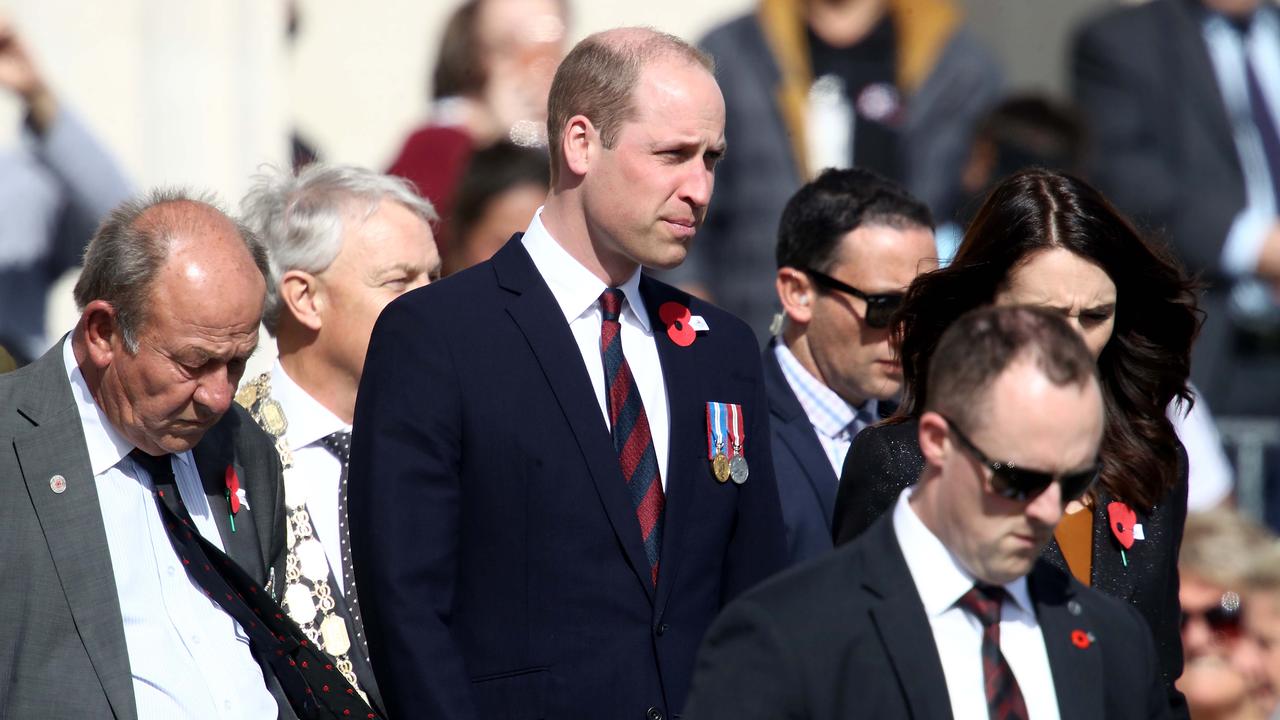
x: 62, y: 643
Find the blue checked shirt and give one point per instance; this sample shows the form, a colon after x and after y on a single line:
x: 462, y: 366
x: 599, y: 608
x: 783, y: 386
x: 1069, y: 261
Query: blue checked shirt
x: 835, y: 421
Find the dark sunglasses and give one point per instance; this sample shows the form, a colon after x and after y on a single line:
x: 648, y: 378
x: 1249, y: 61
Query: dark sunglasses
x: 1015, y: 483
x: 880, y: 307
x: 1224, y: 618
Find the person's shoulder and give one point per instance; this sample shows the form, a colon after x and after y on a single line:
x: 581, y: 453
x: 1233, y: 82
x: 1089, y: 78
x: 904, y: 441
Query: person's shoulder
x: 889, y: 439
x: 1108, y: 614
x: 731, y: 34
x: 1124, y: 20
x: 815, y: 593
x: 724, y: 331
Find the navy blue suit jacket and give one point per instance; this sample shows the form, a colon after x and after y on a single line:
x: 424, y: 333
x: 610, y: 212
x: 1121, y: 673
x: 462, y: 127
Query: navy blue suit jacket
x: 807, y: 483
x: 498, y: 557
x: 846, y: 637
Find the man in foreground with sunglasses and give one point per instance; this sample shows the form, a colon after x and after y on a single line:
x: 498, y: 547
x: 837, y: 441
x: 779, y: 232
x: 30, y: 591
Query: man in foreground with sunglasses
x: 849, y: 244
x: 943, y: 608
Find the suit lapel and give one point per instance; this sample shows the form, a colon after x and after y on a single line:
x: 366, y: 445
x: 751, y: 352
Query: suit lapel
x: 686, y: 409
x: 534, y: 310
x: 1110, y: 573
x: 902, y: 625
x: 1077, y: 671
x: 212, y: 456
x: 797, y: 432
x: 74, y: 531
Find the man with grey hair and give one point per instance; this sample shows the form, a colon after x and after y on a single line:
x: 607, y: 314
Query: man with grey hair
x: 104, y: 613
x: 343, y: 242
x: 538, y: 527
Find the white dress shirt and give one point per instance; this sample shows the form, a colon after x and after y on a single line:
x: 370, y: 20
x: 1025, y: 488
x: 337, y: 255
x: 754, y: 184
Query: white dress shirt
x: 941, y: 581
x: 313, y: 478
x: 188, y: 658
x: 1228, y: 52
x: 577, y: 291
x: 834, y: 421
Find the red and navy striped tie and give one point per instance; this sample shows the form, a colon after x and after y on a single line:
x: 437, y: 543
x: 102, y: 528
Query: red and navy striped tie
x: 630, y: 428
x: 1004, y: 697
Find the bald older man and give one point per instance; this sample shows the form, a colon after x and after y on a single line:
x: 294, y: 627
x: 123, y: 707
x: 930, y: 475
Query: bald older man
x: 103, y: 614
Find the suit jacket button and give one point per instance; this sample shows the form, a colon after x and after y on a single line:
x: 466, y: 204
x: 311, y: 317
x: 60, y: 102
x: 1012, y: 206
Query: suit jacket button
x: 661, y: 629
x: 653, y: 714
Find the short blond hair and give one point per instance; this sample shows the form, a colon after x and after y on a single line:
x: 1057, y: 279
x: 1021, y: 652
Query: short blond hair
x: 598, y: 78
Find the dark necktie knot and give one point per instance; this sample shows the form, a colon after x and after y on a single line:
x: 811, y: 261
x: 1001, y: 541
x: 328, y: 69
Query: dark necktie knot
x: 338, y: 443
x: 159, y: 467
x: 611, y: 304
x: 984, y: 602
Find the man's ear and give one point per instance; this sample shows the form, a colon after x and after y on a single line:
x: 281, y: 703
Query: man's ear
x: 935, y: 439
x: 300, y: 297
x: 797, y: 294
x: 577, y: 142
x: 101, y: 333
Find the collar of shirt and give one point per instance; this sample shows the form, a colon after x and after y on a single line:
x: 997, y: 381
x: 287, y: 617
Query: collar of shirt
x: 830, y: 414
x: 107, y: 446
x: 307, y: 420
x: 939, y: 577
x: 576, y: 290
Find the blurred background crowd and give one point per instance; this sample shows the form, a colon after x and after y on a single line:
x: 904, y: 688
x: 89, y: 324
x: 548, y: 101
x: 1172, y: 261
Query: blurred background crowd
x: 1170, y: 107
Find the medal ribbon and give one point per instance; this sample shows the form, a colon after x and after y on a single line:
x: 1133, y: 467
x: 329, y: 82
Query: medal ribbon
x: 736, y: 434
x: 716, y: 428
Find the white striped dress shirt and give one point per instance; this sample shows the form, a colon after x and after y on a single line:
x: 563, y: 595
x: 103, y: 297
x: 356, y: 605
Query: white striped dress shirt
x: 188, y: 658
x: 835, y: 421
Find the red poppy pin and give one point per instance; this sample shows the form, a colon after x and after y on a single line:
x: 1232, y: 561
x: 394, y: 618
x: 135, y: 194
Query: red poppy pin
x: 678, y: 320
x: 1081, y: 639
x: 235, y: 494
x: 1122, y: 519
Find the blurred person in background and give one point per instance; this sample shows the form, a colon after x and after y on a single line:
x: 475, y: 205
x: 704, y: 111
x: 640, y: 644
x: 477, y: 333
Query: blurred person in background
x: 893, y: 86
x: 1225, y: 674
x: 53, y: 191
x: 342, y: 242
x: 1261, y: 606
x: 503, y: 186
x: 1182, y: 98
x: 1021, y: 132
x: 1047, y: 239
x: 849, y: 244
x: 490, y: 83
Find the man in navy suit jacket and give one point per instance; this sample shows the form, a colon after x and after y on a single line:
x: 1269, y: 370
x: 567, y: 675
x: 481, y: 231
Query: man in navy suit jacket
x: 944, y: 608
x: 534, y: 511
x: 849, y: 244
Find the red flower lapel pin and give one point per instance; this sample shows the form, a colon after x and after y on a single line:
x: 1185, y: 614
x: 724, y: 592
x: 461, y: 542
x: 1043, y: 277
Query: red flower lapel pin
x: 678, y: 320
x: 682, y: 326
x: 1122, y: 519
x: 1081, y: 639
x: 235, y: 495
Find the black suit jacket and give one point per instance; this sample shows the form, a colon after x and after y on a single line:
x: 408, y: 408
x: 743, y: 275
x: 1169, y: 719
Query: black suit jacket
x: 846, y: 637
x: 62, y: 643
x: 1164, y: 153
x: 498, y: 555
x: 886, y: 459
x: 806, y: 482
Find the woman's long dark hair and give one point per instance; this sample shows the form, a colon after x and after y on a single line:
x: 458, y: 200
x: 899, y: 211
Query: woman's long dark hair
x: 1146, y: 362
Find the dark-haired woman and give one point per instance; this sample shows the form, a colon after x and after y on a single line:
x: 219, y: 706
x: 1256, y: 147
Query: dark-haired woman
x: 1048, y: 239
